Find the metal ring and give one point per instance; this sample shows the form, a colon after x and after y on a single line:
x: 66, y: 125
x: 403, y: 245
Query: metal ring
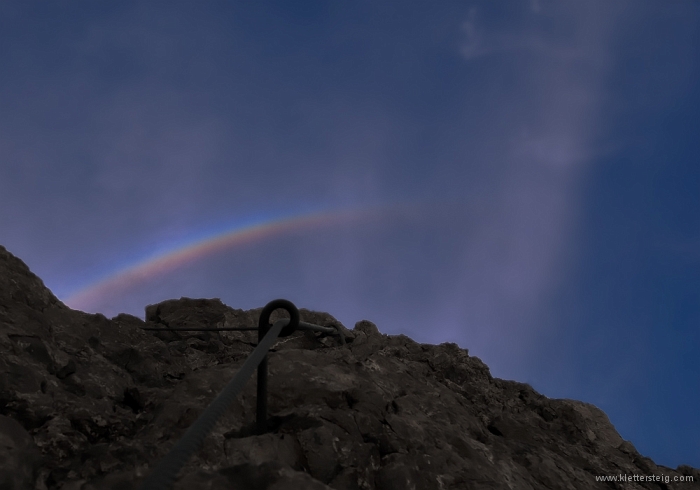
x: 264, y: 323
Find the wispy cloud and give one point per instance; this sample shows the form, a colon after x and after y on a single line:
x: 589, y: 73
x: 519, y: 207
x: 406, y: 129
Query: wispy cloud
x: 547, y: 124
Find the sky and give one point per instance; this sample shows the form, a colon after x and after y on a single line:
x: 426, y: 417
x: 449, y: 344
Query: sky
x: 521, y: 177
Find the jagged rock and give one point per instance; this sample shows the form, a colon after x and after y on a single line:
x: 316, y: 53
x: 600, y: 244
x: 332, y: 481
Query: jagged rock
x: 89, y: 403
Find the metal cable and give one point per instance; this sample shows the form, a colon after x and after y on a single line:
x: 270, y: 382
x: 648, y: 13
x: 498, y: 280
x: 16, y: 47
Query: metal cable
x: 333, y: 330
x: 164, y: 475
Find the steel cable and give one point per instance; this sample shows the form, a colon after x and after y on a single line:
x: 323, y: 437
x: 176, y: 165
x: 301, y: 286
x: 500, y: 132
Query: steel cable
x: 164, y: 474
x: 332, y: 330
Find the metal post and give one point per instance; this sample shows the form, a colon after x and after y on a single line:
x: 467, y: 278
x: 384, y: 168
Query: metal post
x: 263, y: 327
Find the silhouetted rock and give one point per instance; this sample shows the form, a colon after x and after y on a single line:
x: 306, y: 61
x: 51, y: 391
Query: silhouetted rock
x: 91, y: 403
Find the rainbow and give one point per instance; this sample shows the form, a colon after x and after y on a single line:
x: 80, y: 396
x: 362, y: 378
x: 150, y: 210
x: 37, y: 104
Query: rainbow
x: 130, y: 276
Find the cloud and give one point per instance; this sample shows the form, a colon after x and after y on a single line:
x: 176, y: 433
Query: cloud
x: 473, y: 45
x: 545, y: 125
x: 561, y: 32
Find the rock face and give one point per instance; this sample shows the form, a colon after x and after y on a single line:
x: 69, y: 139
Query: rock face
x: 90, y: 403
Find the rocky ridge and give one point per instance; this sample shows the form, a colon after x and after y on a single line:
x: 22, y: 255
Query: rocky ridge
x: 90, y: 403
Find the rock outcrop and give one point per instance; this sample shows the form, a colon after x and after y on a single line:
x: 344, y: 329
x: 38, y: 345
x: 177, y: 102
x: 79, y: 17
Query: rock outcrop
x: 92, y: 403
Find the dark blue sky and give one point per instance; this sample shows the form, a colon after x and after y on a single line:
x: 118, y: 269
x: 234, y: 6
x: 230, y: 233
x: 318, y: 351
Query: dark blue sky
x: 544, y: 156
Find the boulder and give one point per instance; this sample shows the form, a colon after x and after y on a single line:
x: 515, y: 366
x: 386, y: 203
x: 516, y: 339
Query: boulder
x: 88, y: 402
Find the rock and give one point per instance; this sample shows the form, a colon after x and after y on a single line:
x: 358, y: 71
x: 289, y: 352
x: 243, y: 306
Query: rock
x: 20, y: 458
x: 91, y: 403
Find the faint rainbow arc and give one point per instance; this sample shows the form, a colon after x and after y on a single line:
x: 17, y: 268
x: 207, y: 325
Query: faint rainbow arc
x: 150, y: 268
